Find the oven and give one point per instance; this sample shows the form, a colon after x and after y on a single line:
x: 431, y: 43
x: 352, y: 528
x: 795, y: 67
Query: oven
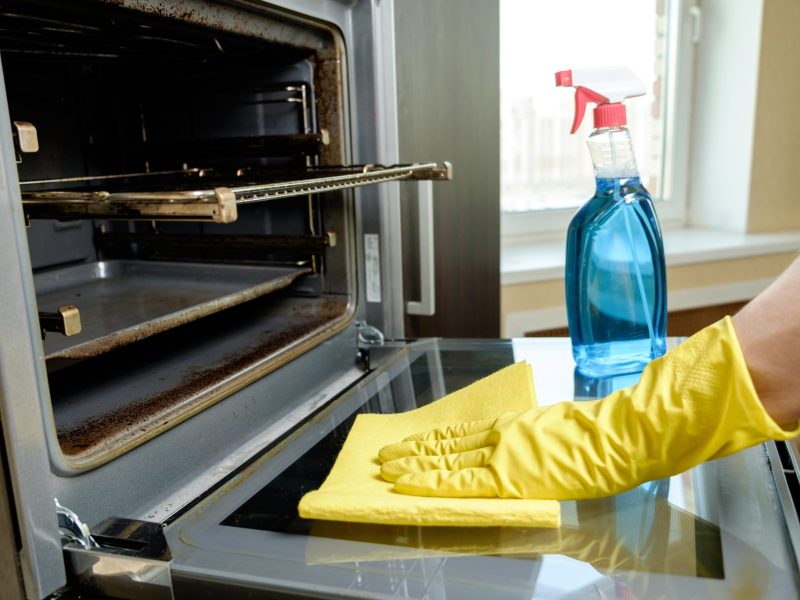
x: 200, y: 240
x: 199, y: 208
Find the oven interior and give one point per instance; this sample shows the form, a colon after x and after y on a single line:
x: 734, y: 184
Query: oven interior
x: 181, y: 183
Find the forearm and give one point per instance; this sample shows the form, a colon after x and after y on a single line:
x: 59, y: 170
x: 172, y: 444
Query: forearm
x: 768, y: 330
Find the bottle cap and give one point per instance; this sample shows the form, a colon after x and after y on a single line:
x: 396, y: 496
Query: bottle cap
x: 612, y: 114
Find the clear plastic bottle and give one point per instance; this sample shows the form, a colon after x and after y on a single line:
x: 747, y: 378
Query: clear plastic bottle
x: 615, y: 273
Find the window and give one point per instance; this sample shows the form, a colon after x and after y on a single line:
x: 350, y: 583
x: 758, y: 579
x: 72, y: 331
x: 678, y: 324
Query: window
x: 546, y: 172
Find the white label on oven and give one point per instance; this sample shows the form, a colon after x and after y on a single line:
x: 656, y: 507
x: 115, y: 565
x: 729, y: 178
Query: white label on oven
x: 372, y: 260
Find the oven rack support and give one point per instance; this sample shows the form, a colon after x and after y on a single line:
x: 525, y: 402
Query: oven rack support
x: 219, y: 204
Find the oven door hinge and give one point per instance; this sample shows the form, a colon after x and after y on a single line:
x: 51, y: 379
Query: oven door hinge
x: 119, y: 558
x: 368, y: 336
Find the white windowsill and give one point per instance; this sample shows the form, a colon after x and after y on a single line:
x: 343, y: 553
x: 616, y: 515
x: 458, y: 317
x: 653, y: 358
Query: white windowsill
x: 544, y: 260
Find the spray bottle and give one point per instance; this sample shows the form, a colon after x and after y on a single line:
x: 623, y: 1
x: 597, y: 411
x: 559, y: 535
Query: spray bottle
x: 615, y: 273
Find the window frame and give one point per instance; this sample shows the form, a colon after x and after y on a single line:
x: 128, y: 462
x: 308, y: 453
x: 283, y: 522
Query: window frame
x: 682, y: 35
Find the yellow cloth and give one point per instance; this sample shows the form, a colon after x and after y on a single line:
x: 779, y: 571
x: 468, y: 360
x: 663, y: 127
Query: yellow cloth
x: 355, y: 491
x: 695, y: 403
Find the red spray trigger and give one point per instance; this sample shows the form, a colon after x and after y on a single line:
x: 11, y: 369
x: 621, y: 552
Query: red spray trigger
x: 582, y: 96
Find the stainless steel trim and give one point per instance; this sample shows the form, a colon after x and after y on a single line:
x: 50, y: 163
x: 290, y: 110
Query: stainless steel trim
x: 388, y: 223
x: 120, y: 576
x: 784, y: 470
x: 427, y: 267
x: 24, y: 402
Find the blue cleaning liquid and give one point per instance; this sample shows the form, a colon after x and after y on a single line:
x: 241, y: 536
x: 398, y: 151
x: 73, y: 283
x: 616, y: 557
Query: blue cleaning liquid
x: 616, y: 280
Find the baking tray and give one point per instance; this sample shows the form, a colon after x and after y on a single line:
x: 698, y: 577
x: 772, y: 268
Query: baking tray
x: 123, y: 301
x: 112, y: 403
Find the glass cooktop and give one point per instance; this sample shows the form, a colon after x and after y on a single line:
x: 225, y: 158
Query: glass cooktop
x: 714, y: 531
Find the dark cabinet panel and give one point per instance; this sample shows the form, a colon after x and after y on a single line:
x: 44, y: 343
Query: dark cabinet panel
x: 448, y: 82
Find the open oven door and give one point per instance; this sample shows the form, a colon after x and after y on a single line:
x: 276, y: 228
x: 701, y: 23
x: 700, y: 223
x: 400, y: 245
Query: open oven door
x: 69, y: 210
x: 715, y: 531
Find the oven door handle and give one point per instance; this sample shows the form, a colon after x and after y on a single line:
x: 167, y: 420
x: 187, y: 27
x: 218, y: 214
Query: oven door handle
x: 427, y: 303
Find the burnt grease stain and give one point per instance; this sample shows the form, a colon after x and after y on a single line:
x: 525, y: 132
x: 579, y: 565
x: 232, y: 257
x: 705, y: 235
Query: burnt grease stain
x: 141, y: 416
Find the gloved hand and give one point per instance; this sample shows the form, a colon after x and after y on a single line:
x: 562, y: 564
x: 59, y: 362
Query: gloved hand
x: 693, y: 404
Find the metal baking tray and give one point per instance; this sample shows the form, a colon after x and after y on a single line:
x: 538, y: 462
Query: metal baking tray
x: 105, y: 406
x: 123, y: 301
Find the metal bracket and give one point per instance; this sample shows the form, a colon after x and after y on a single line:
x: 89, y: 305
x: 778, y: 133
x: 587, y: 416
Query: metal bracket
x: 127, y: 558
x: 66, y: 320
x: 25, y: 139
x: 369, y: 335
x: 72, y: 529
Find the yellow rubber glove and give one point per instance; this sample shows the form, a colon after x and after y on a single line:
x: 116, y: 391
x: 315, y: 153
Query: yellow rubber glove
x: 693, y: 404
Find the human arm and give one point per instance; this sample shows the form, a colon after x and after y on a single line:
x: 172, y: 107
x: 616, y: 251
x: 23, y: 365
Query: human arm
x: 696, y: 403
x: 768, y: 330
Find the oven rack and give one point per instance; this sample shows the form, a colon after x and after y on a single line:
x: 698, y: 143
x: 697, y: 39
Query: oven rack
x: 216, y: 204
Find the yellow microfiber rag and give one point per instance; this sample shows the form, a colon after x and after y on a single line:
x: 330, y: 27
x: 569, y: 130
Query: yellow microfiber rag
x: 355, y: 491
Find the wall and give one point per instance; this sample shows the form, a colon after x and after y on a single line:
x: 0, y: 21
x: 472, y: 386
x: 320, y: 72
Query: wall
x: 722, y: 281
x: 774, y: 183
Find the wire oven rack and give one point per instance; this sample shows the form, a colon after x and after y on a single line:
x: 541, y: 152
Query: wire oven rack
x: 216, y: 203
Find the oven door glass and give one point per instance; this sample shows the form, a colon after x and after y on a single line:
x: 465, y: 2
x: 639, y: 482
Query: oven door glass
x: 715, y: 531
